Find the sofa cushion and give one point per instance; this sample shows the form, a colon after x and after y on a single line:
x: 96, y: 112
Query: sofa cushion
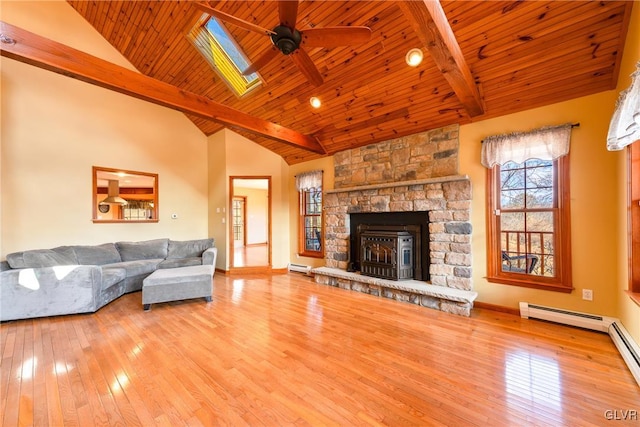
x: 97, y: 255
x: 188, y: 248
x: 62, y: 255
x: 138, y: 267
x: 180, y: 262
x: 112, y: 275
x: 149, y: 249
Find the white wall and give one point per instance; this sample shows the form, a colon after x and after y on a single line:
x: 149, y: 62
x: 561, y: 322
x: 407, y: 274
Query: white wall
x: 54, y: 129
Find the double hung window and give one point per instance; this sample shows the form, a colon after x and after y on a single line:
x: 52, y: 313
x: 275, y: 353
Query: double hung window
x: 528, y: 209
x: 309, y: 186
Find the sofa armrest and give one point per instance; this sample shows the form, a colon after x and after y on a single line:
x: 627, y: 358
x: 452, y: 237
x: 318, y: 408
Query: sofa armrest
x: 49, y: 291
x: 209, y: 257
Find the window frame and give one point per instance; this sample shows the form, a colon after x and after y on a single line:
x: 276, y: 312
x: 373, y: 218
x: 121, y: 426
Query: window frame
x: 302, y: 215
x: 562, y: 282
x: 633, y: 211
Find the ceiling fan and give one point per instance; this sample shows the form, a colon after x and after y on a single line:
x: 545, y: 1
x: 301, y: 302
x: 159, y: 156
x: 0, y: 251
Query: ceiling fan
x: 290, y: 41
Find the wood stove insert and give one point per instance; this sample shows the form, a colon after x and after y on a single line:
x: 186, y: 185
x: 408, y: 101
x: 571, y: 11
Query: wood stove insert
x: 386, y: 254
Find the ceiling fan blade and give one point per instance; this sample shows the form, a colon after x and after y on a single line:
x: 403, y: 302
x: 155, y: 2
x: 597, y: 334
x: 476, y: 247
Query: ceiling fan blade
x: 232, y: 19
x: 306, y: 66
x: 262, y: 60
x: 288, y: 12
x: 335, y: 36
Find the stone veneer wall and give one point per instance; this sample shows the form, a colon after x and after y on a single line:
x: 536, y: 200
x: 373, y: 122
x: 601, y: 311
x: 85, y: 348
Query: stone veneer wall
x: 414, y: 173
x: 424, y: 155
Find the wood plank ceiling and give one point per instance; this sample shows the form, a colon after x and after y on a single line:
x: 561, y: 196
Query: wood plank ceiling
x: 522, y: 55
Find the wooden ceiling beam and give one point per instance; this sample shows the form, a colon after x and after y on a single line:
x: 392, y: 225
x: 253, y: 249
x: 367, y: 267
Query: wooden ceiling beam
x: 24, y: 46
x: 432, y: 27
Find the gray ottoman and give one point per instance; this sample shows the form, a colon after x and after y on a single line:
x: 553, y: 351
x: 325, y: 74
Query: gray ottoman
x: 173, y: 284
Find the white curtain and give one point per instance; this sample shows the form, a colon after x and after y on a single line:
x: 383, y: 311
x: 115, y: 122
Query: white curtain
x: 625, y: 122
x: 309, y: 180
x: 546, y: 143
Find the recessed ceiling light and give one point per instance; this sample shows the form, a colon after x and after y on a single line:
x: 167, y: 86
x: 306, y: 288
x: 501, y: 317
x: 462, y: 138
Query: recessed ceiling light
x: 414, y: 57
x: 315, y: 102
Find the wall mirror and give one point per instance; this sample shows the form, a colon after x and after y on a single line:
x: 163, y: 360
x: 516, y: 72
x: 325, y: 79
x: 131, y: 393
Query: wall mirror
x: 124, y: 196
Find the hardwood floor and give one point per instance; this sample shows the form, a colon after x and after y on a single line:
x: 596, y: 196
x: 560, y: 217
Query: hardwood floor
x: 254, y: 255
x: 282, y: 350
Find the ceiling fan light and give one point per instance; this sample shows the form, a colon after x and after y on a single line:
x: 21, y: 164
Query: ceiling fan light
x: 414, y: 57
x: 315, y: 102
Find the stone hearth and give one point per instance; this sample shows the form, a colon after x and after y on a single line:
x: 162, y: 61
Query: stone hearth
x: 440, y: 298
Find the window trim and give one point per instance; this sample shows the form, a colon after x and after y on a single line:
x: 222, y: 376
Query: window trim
x: 633, y: 212
x: 302, y: 251
x: 562, y: 235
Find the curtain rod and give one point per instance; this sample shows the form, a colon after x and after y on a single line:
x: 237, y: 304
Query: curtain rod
x: 573, y: 125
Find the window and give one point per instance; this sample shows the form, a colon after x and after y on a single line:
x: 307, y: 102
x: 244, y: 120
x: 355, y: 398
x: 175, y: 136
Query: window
x: 309, y: 186
x: 528, y: 220
x: 624, y: 131
x: 219, y: 48
x: 311, y: 222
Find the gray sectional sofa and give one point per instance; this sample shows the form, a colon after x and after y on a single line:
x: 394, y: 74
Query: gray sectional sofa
x: 82, y: 279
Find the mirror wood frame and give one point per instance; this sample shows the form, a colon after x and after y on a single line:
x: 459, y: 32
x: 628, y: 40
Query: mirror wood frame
x: 128, y: 193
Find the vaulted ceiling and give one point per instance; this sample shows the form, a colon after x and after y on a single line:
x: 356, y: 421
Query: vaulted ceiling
x: 510, y: 55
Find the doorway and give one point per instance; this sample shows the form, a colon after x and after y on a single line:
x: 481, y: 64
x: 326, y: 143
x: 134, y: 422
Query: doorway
x: 250, y: 228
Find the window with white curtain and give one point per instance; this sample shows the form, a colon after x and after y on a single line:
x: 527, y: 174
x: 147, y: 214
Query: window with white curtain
x: 528, y: 208
x: 624, y: 127
x: 309, y: 186
x: 624, y: 131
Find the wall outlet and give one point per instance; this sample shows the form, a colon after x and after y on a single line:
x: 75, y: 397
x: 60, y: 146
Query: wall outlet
x: 587, y: 294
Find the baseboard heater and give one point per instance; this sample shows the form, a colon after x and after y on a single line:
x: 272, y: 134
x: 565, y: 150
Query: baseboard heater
x: 625, y: 344
x: 299, y: 268
x: 566, y: 317
x: 627, y: 347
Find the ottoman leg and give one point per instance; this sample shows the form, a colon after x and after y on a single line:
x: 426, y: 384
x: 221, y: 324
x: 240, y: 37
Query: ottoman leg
x: 147, y: 307
x: 208, y: 299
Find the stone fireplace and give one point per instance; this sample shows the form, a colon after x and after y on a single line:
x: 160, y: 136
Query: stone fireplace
x: 443, y: 203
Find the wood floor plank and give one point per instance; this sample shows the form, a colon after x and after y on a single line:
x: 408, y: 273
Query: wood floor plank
x: 11, y: 401
x: 54, y: 408
x: 281, y: 350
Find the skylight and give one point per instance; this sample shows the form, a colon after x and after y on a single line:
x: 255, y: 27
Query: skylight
x: 223, y: 54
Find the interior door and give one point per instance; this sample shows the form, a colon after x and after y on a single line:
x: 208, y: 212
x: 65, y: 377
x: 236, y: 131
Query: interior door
x: 239, y: 221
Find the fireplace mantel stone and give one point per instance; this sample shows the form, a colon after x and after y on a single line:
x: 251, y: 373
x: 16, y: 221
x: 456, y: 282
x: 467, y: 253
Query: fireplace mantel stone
x: 441, y: 179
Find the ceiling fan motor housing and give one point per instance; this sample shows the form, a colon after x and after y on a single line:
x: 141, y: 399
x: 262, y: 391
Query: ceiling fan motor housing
x: 285, y: 39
